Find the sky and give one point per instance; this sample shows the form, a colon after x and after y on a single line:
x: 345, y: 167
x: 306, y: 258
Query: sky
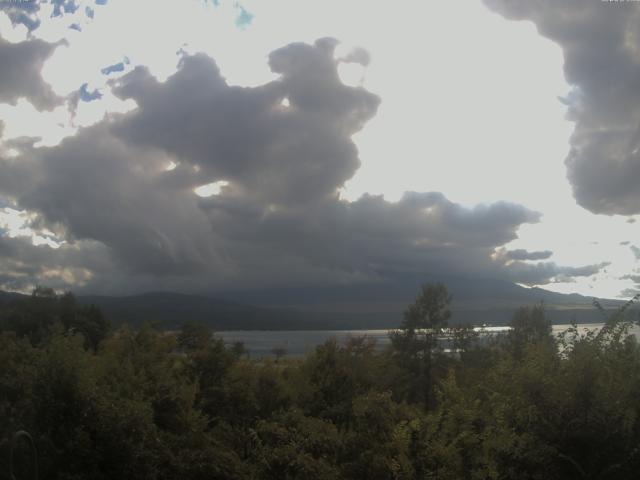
x: 198, y: 146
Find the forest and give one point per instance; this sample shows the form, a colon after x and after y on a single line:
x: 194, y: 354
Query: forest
x: 139, y: 403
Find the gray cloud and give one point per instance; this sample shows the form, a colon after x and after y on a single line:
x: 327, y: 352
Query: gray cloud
x: 23, y: 265
x: 20, y: 73
x: 357, y: 55
x: 636, y: 251
x: 521, y: 254
x: 601, y: 45
x: 100, y: 189
x: 629, y: 292
x: 549, y: 272
x: 280, y: 220
x: 284, y: 155
x: 515, y: 265
x: 373, y: 237
x: 634, y: 278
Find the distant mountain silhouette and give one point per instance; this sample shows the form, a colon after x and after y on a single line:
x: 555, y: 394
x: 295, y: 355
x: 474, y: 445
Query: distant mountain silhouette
x: 8, y: 296
x: 364, y: 306
x: 170, y: 310
x: 381, y: 305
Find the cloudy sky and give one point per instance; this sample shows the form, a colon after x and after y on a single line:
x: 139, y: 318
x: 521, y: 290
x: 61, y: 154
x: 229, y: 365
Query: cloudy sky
x: 202, y: 146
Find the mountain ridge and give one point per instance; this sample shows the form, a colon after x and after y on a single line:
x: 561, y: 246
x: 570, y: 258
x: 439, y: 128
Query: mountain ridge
x: 364, y: 306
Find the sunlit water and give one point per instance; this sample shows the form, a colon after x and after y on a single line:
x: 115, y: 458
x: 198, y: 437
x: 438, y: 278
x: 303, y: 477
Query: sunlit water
x: 299, y: 342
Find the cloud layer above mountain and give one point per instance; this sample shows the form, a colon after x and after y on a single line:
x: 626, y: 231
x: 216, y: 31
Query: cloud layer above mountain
x: 120, y: 194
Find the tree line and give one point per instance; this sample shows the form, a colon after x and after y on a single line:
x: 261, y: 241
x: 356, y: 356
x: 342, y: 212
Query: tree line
x: 127, y: 403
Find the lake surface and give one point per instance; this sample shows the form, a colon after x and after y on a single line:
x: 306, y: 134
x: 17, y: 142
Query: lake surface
x: 261, y: 343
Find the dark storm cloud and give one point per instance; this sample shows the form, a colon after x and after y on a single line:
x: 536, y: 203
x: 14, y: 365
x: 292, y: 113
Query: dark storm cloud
x: 20, y: 73
x: 279, y: 221
x: 601, y: 45
x: 521, y: 254
x: 244, y: 135
x: 100, y: 189
x: 373, y: 237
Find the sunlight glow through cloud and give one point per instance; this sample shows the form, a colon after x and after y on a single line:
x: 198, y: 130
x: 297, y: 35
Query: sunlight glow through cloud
x: 16, y: 224
x: 211, y: 188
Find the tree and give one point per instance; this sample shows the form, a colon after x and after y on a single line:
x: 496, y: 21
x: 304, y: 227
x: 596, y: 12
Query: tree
x: 416, y: 339
x: 239, y: 349
x: 279, y: 352
x: 87, y: 320
x: 529, y: 326
x: 194, y: 336
x: 39, y: 315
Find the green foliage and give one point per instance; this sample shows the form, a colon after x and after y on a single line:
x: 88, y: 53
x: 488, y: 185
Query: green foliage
x: 145, y: 404
x: 293, y: 446
x: 45, y: 312
x: 416, y: 340
x: 194, y: 336
x: 529, y: 326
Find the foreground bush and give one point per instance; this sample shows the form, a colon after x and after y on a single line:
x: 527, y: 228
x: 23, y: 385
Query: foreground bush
x: 140, y: 404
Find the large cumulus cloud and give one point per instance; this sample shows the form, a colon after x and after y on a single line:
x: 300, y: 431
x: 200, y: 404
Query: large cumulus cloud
x: 601, y: 45
x: 245, y: 135
x: 285, y: 151
x: 98, y: 188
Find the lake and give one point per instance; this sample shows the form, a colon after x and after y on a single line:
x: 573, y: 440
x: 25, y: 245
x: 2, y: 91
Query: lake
x: 260, y: 343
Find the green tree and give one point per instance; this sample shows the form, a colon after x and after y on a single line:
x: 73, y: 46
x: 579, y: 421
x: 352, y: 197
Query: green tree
x: 417, y: 338
x: 335, y: 375
x: 293, y: 446
x: 529, y: 326
x: 239, y: 349
x: 377, y: 447
x: 38, y: 316
x: 87, y: 320
x: 194, y: 336
x: 279, y: 352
